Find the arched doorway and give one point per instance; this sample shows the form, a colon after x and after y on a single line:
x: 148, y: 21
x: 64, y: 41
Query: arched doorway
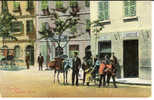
x: 17, y: 51
x: 30, y: 52
x: 88, y: 51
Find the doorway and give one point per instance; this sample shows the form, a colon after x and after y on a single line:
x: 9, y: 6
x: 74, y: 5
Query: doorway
x: 130, y: 58
x: 30, y: 52
x: 104, y: 48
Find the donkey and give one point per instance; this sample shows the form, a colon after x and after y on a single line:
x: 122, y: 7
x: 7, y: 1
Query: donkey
x: 60, y: 65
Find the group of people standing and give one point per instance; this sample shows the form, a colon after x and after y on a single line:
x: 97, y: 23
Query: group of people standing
x: 104, y: 67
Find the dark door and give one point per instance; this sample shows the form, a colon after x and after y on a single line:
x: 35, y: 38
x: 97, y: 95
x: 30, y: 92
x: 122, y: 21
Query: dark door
x: 130, y: 60
x: 30, y: 52
x: 104, y: 48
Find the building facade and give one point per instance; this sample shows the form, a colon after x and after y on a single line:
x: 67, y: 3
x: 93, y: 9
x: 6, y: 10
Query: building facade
x: 127, y: 27
x: 48, y: 48
x: 23, y: 28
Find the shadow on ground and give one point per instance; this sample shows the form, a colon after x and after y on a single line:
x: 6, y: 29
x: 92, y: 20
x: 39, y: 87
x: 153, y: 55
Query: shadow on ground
x: 12, y: 68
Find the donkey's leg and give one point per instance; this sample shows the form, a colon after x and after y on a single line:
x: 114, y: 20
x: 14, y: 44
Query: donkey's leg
x: 58, y: 77
x: 64, y: 77
x: 54, y: 75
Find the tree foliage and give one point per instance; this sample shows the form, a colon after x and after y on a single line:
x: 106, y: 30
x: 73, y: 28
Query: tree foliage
x: 5, y: 25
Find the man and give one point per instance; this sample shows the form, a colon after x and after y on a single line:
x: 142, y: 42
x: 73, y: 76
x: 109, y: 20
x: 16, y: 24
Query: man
x: 102, y: 73
x: 76, y: 67
x: 27, y: 61
x: 111, y: 73
x: 40, y: 62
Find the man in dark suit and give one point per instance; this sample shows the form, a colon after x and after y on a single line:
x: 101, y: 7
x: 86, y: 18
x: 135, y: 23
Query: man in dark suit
x: 40, y: 61
x: 27, y: 60
x: 76, y: 67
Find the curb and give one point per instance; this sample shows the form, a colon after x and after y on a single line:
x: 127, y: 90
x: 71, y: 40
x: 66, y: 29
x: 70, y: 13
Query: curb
x: 142, y: 84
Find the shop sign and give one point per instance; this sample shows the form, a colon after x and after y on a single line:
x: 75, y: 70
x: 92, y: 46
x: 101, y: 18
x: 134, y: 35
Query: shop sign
x: 130, y: 34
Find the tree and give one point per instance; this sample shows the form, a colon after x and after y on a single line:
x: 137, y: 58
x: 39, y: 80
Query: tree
x: 5, y: 23
x: 60, y: 24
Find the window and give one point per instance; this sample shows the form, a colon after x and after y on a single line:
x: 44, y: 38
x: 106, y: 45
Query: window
x: 103, y: 10
x: 73, y: 3
x: 44, y: 5
x: 43, y: 26
x: 29, y: 25
x: 130, y: 8
x: 59, y: 4
x: 73, y: 29
x: 87, y: 24
x: 87, y: 3
x: 4, y: 6
x: 30, y: 5
x: 17, y: 26
x: 17, y: 51
x: 16, y: 6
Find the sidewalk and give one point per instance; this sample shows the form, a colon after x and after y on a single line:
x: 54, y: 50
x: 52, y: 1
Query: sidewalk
x: 134, y: 81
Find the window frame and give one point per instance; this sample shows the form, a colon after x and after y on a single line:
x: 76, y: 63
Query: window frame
x: 20, y: 26
x: 29, y: 22
x: 129, y: 9
x: 108, y: 10
x: 16, y: 9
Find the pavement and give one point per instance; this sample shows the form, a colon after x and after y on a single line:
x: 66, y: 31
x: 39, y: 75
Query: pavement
x: 134, y: 81
x: 34, y: 83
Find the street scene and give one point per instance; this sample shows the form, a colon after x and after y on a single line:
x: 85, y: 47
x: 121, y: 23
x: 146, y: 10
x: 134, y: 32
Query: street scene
x: 75, y: 48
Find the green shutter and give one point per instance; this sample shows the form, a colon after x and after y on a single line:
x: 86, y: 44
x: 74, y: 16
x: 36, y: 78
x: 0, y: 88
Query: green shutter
x: 88, y: 24
x: 73, y: 3
x: 30, y: 26
x: 59, y: 4
x: 16, y: 6
x: 126, y: 6
x: 132, y: 8
x: 100, y: 10
x: 103, y: 9
x: 44, y: 4
x: 73, y: 29
x: 43, y: 26
x: 106, y: 10
x: 21, y: 26
x: 87, y: 3
x: 30, y: 4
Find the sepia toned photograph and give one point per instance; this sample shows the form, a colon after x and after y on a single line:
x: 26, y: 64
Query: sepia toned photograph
x: 75, y: 49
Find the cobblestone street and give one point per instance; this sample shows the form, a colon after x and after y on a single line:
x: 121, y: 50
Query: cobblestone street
x: 34, y: 83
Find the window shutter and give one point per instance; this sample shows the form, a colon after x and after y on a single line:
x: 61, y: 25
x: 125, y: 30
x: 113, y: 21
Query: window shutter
x: 31, y: 26
x: 88, y: 24
x: 100, y: 10
x: 16, y: 6
x: 87, y: 3
x: 132, y: 8
x: 126, y: 6
x: 21, y: 27
x: 59, y: 4
x: 106, y: 10
x: 43, y: 26
x: 73, y: 3
x: 44, y: 4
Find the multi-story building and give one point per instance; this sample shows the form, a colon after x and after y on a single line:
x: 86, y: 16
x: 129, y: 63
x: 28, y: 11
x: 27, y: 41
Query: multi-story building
x: 48, y: 48
x: 23, y: 28
x: 126, y: 31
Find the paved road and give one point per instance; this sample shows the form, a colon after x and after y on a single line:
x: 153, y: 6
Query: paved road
x: 33, y: 83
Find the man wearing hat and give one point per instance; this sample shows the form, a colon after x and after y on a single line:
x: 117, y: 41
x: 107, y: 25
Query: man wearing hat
x: 76, y: 67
